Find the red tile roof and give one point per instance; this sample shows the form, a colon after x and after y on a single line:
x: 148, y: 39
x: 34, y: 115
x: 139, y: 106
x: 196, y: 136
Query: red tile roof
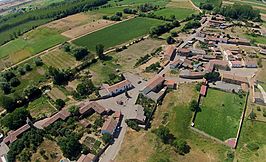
x: 86, y: 158
x: 12, y: 135
x: 154, y: 82
x: 109, y: 125
x: 169, y: 51
x: 119, y: 85
x: 92, y: 105
x: 203, y: 90
x: 63, y: 114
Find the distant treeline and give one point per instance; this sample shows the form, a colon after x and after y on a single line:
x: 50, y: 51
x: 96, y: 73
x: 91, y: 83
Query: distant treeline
x: 240, y: 12
x: 14, y: 25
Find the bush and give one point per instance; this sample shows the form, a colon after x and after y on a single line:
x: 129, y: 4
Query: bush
x: 107, y: 138
x: 14, y: 82
x: 133, y: 124
x: 163, y: 133
x: 27, y: 67
x: 181, y: 146
x: 258, y: 108
x: 193, y: 105
x: 38, y: 61
x: 60, y: 103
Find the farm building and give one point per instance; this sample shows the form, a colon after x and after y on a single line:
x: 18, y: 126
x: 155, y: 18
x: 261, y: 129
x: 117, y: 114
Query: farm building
x: 258, y: 98
x: 234, y: 79
x: 61, y: 115
x: 13, y: 135
x: 109, y: 126
x: 183, y: 51
x: 236, y: 64
x: 251, y: 64
x: 176, y: 64
x: 169, y: 53
x: 203, y: 90
x: 108, y: 91
x: 153, y: 85
x: 191, y: 75
x: 139, y: 116
x: 170, y: 84
x: 91, y: 107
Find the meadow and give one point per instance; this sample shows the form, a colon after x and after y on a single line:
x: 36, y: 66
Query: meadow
x: 118, y: 33
x: 220, y: 114
x: 179, y: 13
x: 31, y: 43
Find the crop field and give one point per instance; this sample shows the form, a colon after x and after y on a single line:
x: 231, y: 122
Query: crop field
x: 215, y: 3
x: 87, y: 28
x: 179, y: 13
x: 30, y: 44
x: 59, y: 59
x: 161, y: 3
x: 118, y: 33
x: 220, y: 114
x: 254, y: 3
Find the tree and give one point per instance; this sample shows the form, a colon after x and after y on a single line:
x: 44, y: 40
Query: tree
x: 59, y: 77
x: 5, y: 87
x: 66, y: 47
x: 7, y: 103
x: 206, y: 6
x: 107, y: 138
x: 193, y: 105
x: 21, y: 71
x: 163, y: 133
x: 70, y: 146
x: 60, y: 103
x: 99, y: 51
x: 16, y: 119
x: 14, y: 82
x: 80, y: 52
x: 38, y: 61
x: 27, y: 67
x: 74, y: 110
x: 212, y: 76
x: 133, y: 124
x: 32, y: 92
x: 85, y: 88
x: 8, y: 75
x: 252, y: 115
x: 181, y: 146
x: 170, y: 40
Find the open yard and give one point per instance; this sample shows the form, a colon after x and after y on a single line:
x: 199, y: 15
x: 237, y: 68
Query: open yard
x: 220, y: 114
x: 30, y: 43
x: 179, y: 13
x: 51, y: 150
x: 118, y: 33
x: 59, y: 59
x: 175, y: 114
x: 56, y: 93
x: 40, y: 108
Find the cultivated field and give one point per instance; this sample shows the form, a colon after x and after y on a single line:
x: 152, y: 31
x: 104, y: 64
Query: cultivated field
x: 87, y: 28
x: 220, y: 114
x: 72, y: 21
x: 175, y: 114
x: 30, y: 43
x: 59, y: 59
x: 215, y: 3
x: 118, y: 33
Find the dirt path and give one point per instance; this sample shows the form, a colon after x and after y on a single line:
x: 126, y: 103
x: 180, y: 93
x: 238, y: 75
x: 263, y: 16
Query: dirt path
x: 195, y: 6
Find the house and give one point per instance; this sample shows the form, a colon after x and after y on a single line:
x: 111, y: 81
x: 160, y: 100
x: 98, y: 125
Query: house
x: 108, y: 91
x: 91, y: 107
x: 220, y: 64
x: 176, y: 64
x: 157, y: 96
x: 187, y: 74
x: 251, y: 64
x: 86, y: 158
x: 153, y: 85
x: 187, y: 64
x: 61, y: 115
x: 170, y: 52
x: 84, y: 123
x: 236, y: 64
x: 234, y: 79
x: 196, y: 51
x: 238, y: 41
x: 203, y: 90
x: 258, y: 98
x: 263, y: 51
x: 109, y: 126
x: 13, y: 135
x: 138, y: 115
x: 183, y: 51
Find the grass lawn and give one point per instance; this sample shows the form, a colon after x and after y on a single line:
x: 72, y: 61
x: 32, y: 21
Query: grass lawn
x: 31, y: 43
x: 256, y: 39
x: 175, y: 114
x: 118, y: 33
x: 252, y: 133
x: 40, y: 107
x: 216, y: 3
x: 59, y: 59
x: 220, y: 114
x: 180, y: 13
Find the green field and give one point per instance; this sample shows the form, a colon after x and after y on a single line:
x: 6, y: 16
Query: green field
x: 59, y: 59
x: 252, y: 133
x: 32, y: 43
x: 215, y: 3
x: 118, y: 33
x: 179, y: 13
x: 256, y: 39
x: 220, y: 114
